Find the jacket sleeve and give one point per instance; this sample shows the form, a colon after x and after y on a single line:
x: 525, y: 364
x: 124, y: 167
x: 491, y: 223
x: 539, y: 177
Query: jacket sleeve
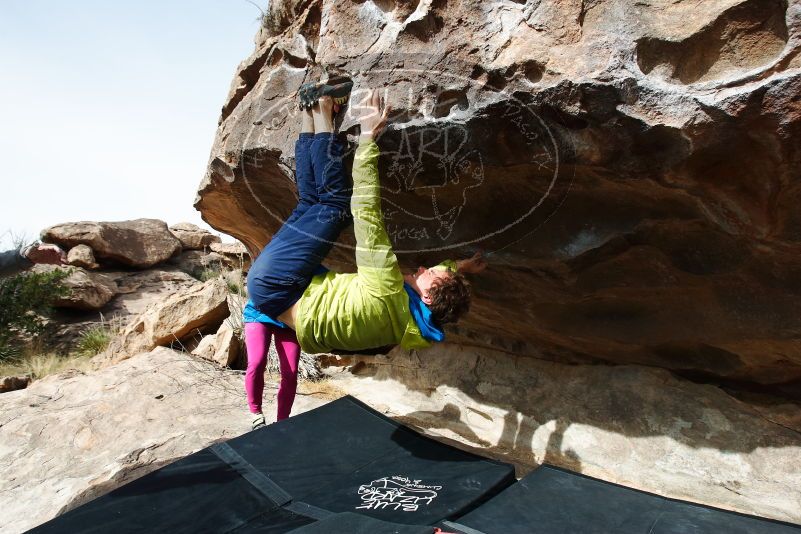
x: 12, y: 262
x: 377, y: 265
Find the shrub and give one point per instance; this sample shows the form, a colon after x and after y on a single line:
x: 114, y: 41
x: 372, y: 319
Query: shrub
x: 94, y: 339
x: 277, y: 17
x: 25, y: 300
x: 208, y: 273
x: 235, y: 284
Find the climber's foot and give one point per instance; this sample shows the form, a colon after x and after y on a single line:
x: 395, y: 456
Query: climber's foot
x: 258, y: 421
x: 338, y: 88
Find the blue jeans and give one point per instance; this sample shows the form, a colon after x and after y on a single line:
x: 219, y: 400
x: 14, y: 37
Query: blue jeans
x: 285, y: 267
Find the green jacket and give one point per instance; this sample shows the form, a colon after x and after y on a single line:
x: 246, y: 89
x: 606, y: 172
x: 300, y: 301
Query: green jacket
x: 370, y: 308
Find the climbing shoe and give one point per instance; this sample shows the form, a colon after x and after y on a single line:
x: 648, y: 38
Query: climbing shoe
x: 338, y: 88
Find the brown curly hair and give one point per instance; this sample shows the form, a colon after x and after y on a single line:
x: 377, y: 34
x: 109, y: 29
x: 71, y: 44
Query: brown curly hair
x: 450, y: 298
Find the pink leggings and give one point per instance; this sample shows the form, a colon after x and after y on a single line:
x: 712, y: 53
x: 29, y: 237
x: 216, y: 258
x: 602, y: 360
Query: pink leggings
x: 257, y: 341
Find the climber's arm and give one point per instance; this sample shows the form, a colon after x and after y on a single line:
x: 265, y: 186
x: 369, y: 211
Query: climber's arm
x: 377, y: 264
x: 474, y: 264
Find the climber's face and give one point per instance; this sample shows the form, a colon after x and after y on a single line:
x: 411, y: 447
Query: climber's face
x: 423, y: 279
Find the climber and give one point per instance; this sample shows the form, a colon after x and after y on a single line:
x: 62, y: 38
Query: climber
x: 17, y: 260
x: 375, y: 307
x: 260, y: 329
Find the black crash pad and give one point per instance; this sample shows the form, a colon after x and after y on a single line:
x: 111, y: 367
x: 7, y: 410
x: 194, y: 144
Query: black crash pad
x: 351, y: 523
x: 341, y: 457
x: 552, y: 500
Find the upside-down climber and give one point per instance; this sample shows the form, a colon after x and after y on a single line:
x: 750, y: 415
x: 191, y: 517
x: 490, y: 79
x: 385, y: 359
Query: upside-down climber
x: 375, y: 307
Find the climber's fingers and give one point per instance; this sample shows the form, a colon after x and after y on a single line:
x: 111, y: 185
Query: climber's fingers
x: 384, y: 115
x: 375, y: 99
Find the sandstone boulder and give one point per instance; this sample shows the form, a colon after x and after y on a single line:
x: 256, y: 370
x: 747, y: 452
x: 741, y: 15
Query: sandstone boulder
x: 195, y: 262
x: 633, y: 172
x: 135, y: 292
x: 222, y: 348
x: 229, y: 249
x: 72, y: 437
x: 139, y: 243
x: 88, y: 290
x: 198, y: 310
x: 193, y: 237
x: 637, y: 426
x: 235, y: 254
x: 82, y: 256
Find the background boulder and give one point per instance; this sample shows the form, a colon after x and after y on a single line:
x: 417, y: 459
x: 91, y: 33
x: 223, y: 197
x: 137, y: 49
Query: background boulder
x: 82, y: 256
x: 193, y: 237
x: 87, y: 290
x: 197, y: 310
x: 139, y: 243
x: 235, y: 255
x: 223, y: 347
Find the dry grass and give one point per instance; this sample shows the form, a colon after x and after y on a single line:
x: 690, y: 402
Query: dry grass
x: 36, y: 361
x: 43, y: 364
x: 323, y: 388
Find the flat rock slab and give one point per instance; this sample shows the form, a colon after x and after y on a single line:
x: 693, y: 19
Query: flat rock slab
x: 71, y: 437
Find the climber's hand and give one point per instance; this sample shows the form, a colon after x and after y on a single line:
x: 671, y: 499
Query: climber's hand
x: 373, y: 112
x: 473, y: 265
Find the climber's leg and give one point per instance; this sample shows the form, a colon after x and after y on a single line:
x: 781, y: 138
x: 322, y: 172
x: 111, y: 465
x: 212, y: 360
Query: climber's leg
x: 304, y: 174
x: 288, y: 349
x: 257, y: 343
x: 287, y: 264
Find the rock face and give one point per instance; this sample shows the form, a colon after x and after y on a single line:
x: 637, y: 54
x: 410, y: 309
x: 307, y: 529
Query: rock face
x: 135, y: 292
x: 69, y: 438
x: 193, y: 237
x: 140, y: 243
x: 633, y: 169
x: 633, y: 425
x: 201, y: 308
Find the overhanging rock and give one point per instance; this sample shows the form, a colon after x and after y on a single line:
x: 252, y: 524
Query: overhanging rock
x: 634, y: 170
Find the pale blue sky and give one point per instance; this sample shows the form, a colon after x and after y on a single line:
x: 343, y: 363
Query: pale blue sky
x: 108, y: 109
